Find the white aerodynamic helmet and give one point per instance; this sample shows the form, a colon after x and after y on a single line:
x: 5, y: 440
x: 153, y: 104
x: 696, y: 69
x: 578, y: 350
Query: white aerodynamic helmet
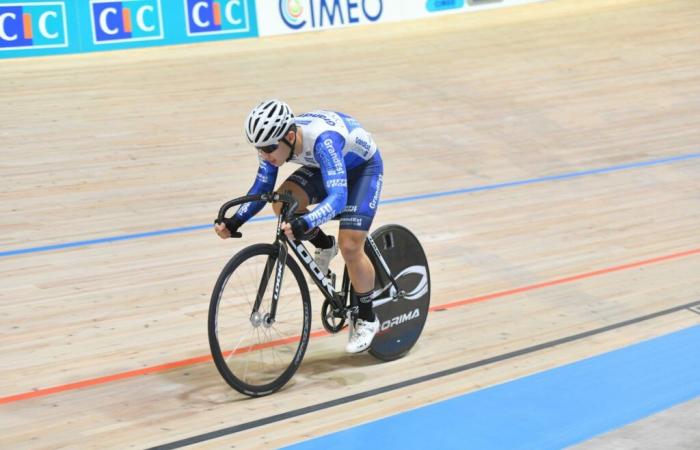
x: 268, y: 122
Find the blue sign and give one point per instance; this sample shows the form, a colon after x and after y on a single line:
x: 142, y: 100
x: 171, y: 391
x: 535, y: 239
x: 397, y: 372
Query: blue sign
x: 443, y: 5
x: 46, y: 27
x: 27, y: 25
x: 206, y: 17
x: 126, y: 21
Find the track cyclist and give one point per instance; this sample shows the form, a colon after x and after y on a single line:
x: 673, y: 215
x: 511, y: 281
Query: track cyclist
x: 341, y: 171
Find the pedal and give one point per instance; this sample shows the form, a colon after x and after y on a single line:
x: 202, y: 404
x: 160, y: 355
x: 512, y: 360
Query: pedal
x: 353, y: 313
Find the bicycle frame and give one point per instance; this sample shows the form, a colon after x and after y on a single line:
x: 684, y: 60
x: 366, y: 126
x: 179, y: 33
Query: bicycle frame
x: 279, y: 259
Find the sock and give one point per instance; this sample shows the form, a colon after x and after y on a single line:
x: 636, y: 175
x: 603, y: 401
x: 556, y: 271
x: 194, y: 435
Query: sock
x: 365, y: 306
x: 320, y: 239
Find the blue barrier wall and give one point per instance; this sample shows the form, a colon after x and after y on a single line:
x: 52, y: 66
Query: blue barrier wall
x: 48, y: 27
x: 43, y: 27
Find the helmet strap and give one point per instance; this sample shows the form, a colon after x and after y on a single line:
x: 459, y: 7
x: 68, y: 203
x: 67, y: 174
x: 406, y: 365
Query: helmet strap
x: 291, y: 145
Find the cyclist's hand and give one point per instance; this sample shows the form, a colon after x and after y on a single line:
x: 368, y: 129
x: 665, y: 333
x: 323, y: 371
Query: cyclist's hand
x: 295, y: 229
x: 287, y: 229
x: 227, y: 228
x: 222, y: 231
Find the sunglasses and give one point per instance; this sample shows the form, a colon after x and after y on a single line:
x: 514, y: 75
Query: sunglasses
x: 268, y: 148
x: 272, y: 147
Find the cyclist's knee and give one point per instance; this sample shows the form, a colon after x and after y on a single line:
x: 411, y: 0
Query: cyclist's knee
x: 277, y: 208
x: 297, y: 192
x: 351, y: 244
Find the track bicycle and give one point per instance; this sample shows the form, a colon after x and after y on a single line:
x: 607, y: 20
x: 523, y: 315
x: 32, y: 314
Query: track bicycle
x: 260, y: 312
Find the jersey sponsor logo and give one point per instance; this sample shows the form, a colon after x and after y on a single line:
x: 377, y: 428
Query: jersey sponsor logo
x: 317, y: 216
x: 337, y: 161
x: 26, y: 25
x: 126, y: 21
x: 244, y: 209
x: 362, y: 143
x: 375, y: 198
x: 337, y: 183
x: 352, y: 222
x: 206, y: 17
x: 323, y: 117
x: 298, y: 14
x: 301, y: 181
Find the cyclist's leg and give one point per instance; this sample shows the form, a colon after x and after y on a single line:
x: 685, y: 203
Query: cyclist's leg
x: 361, y: 273
x: 304, y: 187
x: 365, y: 185
x: 360, y: 269
x: 297, y: 192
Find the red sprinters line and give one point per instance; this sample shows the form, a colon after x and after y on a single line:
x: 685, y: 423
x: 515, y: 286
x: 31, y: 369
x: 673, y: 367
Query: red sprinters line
x: 564, y: 280
x: 144, y: 371
x: 200, y: 359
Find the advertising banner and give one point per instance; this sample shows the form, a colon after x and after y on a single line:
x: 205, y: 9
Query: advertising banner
x: 414, y: 9
x: 43, y: 27
x: 36, y: 27
x: 290, y: 16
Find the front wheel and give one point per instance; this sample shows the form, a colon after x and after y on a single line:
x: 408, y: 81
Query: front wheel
x: 255, y: 354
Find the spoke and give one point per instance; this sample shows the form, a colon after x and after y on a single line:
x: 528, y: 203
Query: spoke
x: 262, y: 362
x: 233, y: 352
x: 238, y: 287
x: 275, y: 355
x: 279, y: 333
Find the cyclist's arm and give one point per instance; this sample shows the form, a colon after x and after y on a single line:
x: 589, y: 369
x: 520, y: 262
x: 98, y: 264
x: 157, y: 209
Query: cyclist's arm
x: 264, y: 182
x: 328, y: 151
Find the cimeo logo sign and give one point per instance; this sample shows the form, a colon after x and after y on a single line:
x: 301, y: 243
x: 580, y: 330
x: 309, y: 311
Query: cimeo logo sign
x: 297, y: 14
x: 33, y: 25
x: 126, y: 20
x: 216, y: 16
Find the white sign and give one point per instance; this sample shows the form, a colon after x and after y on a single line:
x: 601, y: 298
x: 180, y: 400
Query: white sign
x: 290, y: 16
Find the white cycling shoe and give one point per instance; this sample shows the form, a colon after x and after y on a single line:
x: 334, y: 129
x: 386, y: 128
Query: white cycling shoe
x: 324, y: 256
x: 361, y: 335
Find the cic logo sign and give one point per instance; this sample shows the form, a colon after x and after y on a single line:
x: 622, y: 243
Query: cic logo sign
x: 126, y: 20
x: 25, y: 25
x: 205, y: 17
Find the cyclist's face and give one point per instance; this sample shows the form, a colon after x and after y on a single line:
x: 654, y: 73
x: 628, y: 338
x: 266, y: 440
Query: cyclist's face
x: 279, y: 156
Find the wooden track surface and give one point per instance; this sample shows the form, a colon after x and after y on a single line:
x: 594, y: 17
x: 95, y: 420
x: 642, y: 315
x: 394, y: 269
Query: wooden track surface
x: 118, y: 143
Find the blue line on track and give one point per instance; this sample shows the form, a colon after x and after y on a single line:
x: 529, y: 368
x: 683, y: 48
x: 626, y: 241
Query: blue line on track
x: 548, y: 410
x: 488, y: 187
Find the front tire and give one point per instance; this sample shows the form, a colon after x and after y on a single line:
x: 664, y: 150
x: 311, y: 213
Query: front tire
x: 254, y: 356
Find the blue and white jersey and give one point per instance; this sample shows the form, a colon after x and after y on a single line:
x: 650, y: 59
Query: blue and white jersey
x: 336, y: 133
x: 332, y: 142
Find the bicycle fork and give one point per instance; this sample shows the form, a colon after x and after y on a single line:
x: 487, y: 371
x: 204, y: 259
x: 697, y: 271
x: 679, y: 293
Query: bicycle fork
x: 276, y: 261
